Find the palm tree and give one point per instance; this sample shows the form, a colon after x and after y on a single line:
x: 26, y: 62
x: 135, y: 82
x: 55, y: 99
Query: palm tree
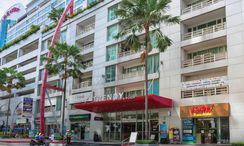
x: 55, y: 14
x: 10, y: 79
x: 144, y: 16
x: 67, y: 62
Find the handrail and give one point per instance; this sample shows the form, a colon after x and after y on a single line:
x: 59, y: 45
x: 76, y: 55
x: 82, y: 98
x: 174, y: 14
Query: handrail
x: 132, y: 74
x: 87, y: 28
x: 87, y: 46
x: 204, y: 31
x: 199, y: 5
x: 205, y: 58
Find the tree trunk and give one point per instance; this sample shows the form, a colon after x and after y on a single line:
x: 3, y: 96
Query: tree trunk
x: 63, y: 109
x: 146, y: 82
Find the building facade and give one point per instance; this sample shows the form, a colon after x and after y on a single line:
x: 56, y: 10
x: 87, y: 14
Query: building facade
x: 201, y: 72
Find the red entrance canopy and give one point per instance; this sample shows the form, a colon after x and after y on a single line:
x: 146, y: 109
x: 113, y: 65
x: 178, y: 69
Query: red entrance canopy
x: 136, y: 103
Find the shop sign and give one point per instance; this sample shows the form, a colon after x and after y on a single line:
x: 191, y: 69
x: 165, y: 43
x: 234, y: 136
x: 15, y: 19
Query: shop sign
x: 205, y: 83
x: 83, y: 117
x: 88, y: 97
x: 27, y: 107
x: 14, y: 12
x: 98, y: 118
x: 21, y: 121
x: 208, y: 110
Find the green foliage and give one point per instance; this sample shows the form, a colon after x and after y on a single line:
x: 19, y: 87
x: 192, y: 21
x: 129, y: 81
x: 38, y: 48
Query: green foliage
x: 142, y: 15
x: 238, y: 144
x: 146, y: 142
x: 71, y: 64
x: 47, y: 28
x: 33, y: 29
x: 11, y: 79
x: 55, y: 14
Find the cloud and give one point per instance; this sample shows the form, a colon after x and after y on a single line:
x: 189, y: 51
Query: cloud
x: 6, y: 4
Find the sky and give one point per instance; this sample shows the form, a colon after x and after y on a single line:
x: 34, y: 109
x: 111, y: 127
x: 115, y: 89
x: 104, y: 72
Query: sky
x: 6, y: 4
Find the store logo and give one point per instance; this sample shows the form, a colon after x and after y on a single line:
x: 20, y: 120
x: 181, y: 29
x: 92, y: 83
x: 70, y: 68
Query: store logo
x: 11, y: 11
x: 202, y: 110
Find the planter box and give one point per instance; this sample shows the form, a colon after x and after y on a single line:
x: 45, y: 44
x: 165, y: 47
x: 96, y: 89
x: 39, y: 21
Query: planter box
x: 146, y: 144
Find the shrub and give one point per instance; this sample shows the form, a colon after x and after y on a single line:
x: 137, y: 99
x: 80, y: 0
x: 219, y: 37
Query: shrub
x: 238, y: 144
x: 146, y: 142
x: 33, y: 29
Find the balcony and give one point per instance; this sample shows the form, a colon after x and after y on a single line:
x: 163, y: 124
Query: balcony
x: 87, y: 83
x: 87, y: 47
x: 203, y: 59
x: 200, y: 5
x: 86, y: 29
x: 205, y: 87
x: 133, y: 74
x: 204, y: 31
x: 88, y: 64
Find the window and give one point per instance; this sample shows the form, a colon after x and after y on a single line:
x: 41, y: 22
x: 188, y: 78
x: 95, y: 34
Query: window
x: 45, y: 45
x: 58, y: 103
x: 133, y: 69
x: 153, y: 64
x: 111, y: 53
x: 78, y: 2
x: 37, y: 106
x: 153, y: 87
x: 110, y: 73
x: 109, y: 91
x: 112, y: 32
x: 62, y: 37
x: 153, y: 41
x: 91, y: 1
x: 111, y: 12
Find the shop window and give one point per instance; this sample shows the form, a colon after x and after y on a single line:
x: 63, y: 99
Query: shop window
x: 111, y: 13
x: 110, y: 73
x: 153, y: 64
x: 112, y: 32
x: 111, y: 53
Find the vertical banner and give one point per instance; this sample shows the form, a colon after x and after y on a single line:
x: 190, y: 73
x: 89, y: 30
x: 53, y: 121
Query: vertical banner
x: 163, y: 131
x: 27, y: 107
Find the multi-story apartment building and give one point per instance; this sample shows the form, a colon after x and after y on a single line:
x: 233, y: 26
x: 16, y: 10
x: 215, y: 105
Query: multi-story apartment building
x: 201, y: 73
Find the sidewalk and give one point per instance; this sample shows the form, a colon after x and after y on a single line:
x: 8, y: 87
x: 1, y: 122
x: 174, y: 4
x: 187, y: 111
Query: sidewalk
x: 15, y: 140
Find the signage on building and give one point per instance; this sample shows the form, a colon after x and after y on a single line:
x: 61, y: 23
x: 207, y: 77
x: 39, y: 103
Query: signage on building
x: 88, y: 97
x: 208, y: 110
x: 82, y: 117
x: 27, y: 107
x: 21, y: 121
x: 14, y: 12
x: 205, y: 83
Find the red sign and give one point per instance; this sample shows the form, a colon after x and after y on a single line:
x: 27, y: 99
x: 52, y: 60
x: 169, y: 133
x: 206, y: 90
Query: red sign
x: 202, y: 109
x: 8, y: 13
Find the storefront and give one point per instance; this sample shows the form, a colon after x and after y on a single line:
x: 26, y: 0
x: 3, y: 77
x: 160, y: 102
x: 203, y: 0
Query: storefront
x: 204, y: 124
x: 123, y: 116
x: 80, y: 126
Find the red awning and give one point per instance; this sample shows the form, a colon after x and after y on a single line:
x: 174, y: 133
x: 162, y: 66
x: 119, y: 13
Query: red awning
x: 136, y: 103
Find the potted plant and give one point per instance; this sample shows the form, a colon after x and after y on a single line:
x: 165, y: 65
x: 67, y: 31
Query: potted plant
x: 146, y: 143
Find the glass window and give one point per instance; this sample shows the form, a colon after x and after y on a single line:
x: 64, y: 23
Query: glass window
x: 153, y: 41
x: 62, y: 36
x: 78, y: 2
x: 153, y: 64
x: 37, y: 106
x: 110, y: 73
x: 111, y: 53
x: 153, y: 87
x: 112, y: 32
x: 58, y: 103
x: 111, y: 12
x: 109, y: 91
x: 91, y: 1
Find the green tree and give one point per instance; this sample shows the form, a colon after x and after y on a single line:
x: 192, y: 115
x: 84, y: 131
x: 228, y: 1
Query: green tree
x: 66, y: 61
x: 10, y: 79
x: 55, y: 14
x: 144, y: 16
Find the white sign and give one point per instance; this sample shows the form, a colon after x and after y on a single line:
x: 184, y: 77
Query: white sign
x: 205, y: 83
x: 83, y: 97
x: 14, y: 12
x: 133, y: 137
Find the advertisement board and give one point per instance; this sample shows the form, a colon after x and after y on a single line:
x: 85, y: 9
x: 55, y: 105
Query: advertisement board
x: 14, y: 12
x: 27, y: 107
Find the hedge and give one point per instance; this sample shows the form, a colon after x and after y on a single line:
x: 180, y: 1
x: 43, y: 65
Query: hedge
x: 33, y: 29
x: 50, y: 27
x: 146, y: 142
x: 238, y: 144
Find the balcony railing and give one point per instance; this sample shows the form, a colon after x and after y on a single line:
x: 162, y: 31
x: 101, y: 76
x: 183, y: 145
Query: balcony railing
x: 87, y: 28
x: 126, y: 53
x: 200, y: 5
x: 205, y: 58
x: 204, y: 31
x: 205, y: 92
x: 88, y: 64
x: 88, y: 46
x: 132, y: 74
x: 87, y: 83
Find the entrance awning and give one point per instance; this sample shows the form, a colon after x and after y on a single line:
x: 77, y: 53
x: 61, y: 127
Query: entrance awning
x: 136, y: 103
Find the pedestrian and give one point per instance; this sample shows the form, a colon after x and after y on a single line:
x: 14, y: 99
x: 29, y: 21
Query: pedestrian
x: 68, y: 136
